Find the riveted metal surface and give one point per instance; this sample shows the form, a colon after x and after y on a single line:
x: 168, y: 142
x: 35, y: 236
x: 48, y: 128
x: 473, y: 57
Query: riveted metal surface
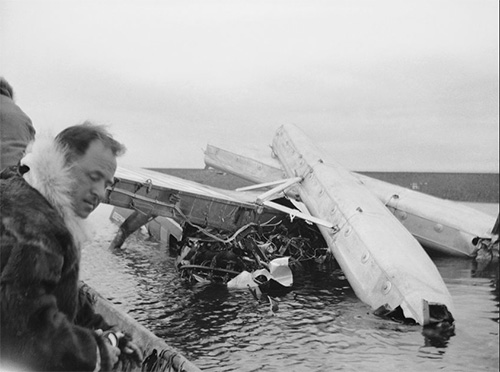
x: 461, y: 223
x: 386, y: 288
x: 367, y: 226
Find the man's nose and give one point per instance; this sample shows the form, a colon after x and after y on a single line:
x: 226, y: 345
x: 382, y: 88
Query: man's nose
x: 100, y: 190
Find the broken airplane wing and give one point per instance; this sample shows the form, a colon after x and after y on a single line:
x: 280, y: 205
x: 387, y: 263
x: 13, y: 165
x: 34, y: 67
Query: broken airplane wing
x: 385, y: 265
x: 159, y: 194
x: 442, y: 225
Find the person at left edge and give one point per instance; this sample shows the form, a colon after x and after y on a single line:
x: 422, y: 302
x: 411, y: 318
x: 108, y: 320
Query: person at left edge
x: 45, y: 322
x: 16, y: 129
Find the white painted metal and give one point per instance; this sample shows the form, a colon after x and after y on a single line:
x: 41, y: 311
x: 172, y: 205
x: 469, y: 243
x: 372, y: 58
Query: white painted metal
x: 384, y: 264
x: 145, y: 176
x: 439, y: 224
x: 159, y: 194
x: 295, y: 213
x: 444, y: 225
x: 263, y: 185
x: 277, y: 190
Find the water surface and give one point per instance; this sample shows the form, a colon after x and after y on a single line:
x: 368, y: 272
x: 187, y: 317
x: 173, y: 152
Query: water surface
x: 320, y: 326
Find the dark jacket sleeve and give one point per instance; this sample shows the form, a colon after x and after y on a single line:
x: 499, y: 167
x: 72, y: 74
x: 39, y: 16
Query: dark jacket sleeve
x: 34, y: 331
x: 86, y: 315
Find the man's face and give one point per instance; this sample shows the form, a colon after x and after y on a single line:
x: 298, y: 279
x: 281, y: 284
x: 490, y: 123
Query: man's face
x: 93, y: 172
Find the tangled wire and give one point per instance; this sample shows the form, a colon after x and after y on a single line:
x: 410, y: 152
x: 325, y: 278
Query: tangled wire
x: 212, y: 256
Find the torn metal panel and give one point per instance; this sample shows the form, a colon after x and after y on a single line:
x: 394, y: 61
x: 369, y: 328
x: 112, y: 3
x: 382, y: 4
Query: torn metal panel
x: 441, y: 225
x: 161, y: 195
x: 384, y: 264
x: 242, y: 166
x: 279, y: 271
x: 161, y: 228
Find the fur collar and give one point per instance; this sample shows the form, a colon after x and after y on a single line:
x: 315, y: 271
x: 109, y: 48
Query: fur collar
x: 51, y: 176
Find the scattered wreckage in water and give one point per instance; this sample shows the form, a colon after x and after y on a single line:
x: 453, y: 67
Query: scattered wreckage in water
x: 320, y: 213
x: 441, y: 226
x: 265, y: 258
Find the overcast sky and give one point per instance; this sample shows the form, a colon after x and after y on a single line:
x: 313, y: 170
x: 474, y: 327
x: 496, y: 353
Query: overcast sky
x: 381, y: 85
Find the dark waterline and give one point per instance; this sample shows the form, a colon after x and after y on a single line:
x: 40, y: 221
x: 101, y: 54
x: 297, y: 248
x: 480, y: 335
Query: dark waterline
x: 320, y: 325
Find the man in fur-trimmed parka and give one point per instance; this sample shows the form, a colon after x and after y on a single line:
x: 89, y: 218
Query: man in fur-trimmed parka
x: 45, y: 323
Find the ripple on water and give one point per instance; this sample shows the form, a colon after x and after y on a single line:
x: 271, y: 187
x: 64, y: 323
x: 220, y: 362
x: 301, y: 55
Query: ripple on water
x: 320, y: 325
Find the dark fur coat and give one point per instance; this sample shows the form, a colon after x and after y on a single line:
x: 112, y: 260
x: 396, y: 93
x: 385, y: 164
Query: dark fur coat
x: 44, y: 321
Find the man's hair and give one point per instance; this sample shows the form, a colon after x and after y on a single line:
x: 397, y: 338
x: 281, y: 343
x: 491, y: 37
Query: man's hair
x: 77, y: 138
x: 6, y: 88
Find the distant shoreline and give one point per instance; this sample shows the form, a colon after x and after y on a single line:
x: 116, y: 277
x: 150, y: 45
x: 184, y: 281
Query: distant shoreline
x: 468, y: 187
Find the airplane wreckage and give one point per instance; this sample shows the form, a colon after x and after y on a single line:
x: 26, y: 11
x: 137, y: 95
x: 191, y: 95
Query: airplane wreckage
x: 306, y: 210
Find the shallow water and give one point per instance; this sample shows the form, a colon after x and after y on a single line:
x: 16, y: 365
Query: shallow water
x: 320, y: 326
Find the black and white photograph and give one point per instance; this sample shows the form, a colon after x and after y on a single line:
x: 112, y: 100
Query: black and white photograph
x: 249, y: 185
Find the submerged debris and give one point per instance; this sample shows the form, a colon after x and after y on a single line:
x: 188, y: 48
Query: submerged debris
x: 486, y: 251
x: 265, y: 258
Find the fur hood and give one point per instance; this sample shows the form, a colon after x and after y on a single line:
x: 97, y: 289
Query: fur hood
x: 51, y: 176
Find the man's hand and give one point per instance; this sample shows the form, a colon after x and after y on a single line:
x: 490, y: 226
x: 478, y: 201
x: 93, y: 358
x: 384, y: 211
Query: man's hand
x: 111, y: 345
x: 113, y: 352
x: 129, y: 349
x: 120, y: 346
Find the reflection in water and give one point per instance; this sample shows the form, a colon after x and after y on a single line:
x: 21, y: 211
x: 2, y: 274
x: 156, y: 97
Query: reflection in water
x: 320, y: 325
x: 438, y: 334
x: 490, y: 271
x: 485, y: 270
